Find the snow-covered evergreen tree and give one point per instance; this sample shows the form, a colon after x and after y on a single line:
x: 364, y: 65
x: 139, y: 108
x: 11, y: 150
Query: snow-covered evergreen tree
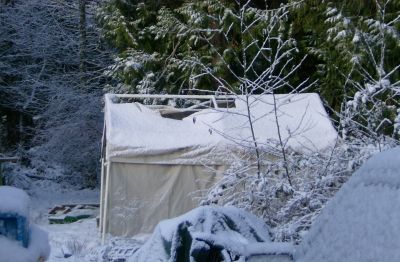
x: 374, y: 100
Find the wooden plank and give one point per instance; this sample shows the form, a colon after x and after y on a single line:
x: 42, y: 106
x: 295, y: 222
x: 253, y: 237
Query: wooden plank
x: 8, y: 159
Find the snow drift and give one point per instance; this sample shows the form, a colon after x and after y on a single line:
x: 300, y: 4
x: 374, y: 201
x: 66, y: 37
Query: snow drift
x: 11, y: 250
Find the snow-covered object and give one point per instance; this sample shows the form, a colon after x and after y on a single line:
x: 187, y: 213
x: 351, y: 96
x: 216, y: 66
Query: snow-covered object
x: 11, y: 250
x: 303, y: 122
x: 14, y: 201
x: 195, y: 234
x: 134, y: 130
x: 361, y: 223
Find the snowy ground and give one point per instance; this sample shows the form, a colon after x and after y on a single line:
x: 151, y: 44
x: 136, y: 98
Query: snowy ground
x: 72, y: 242
x: 47, y: 188
x: 371, y: 196
x: 76, y: 239
x: 79, y: 241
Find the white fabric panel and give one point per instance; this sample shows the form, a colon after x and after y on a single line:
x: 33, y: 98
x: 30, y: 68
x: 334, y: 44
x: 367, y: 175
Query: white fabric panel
x: 141, y: 195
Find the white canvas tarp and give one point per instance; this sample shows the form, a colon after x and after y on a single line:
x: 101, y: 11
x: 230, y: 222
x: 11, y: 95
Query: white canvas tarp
x: 138, y: 134
x: 303, y: 122
x: 144, y: 194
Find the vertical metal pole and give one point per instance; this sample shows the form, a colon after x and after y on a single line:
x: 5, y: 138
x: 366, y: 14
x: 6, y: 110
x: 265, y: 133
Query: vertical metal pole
x: 107, y: 187
x: 101, y: 195
x: 102, y: 174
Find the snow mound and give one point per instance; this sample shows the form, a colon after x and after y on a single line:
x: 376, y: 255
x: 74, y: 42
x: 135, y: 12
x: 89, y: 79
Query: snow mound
x: 202, y: 232
x: 14, y: 200
x: 361, y: 223
x: 11, y: 250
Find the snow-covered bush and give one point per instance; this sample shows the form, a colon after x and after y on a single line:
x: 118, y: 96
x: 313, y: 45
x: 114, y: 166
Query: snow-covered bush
x: 71, y: 134
x: 289, y: 210
x: 41, y: 77
x: 74, y: 248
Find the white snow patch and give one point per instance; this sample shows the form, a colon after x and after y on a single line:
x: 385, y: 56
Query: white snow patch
x: 303, y: 122
x: 73, y: 242
x: 12, y: 250
x: 133, y: 129
x: 14, y: 200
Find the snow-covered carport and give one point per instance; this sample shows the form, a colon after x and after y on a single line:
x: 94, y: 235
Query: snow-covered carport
x: 157, y: 158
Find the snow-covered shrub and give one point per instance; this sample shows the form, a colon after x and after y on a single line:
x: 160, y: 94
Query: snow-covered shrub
x: 289, y: 209
x: 74, y: 247
x: 71, y: 133
x: 41, y: 78
x: 373, y: 111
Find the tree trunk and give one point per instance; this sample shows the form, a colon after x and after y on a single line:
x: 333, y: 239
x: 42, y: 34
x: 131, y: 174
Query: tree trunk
x: 82, y: 40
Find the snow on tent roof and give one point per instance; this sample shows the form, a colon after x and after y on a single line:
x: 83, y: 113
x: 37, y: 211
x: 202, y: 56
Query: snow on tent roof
x: 361, y: 223
x: 133, y: 129
x: 303, y: 122
x: 14, y: 200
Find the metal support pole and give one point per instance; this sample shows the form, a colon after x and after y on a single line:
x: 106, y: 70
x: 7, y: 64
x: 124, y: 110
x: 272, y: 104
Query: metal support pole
x: 105, y: 211
x: 101, y: 195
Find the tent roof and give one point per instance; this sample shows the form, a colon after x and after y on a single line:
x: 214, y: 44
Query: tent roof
x: 303, y: 122
x: 134, y: 130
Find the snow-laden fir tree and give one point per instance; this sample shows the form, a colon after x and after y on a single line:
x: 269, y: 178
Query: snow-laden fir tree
x: 373, y: 106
